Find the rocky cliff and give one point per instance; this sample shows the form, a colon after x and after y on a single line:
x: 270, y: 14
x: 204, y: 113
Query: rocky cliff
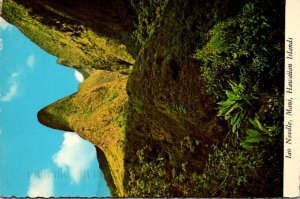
x: 77, y: 35
x: 96, y: 112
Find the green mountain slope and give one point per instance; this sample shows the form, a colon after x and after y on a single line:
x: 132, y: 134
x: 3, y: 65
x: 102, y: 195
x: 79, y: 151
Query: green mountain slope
x: 96, y: 113
x: 75, y: 44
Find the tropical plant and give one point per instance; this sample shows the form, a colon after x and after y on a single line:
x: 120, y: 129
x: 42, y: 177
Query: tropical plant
x: 258, y: 133
x: 235, y: 108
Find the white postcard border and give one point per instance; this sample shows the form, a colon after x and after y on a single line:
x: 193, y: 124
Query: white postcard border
x: 292, y: 99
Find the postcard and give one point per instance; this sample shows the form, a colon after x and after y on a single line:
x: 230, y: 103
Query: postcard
x: 146, y: 98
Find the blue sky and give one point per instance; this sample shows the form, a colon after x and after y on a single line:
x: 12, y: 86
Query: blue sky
x: 36, y: 160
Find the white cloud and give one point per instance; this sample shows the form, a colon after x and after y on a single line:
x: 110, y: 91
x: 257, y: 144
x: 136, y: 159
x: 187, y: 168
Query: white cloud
x: 30, y: 61
x: 74, y: 156
x: 15, y: 74
x: 78, y: 76
x: 13, y: 88
x: 4, y: 25
x: 1, y: 44
x: 41, y: 185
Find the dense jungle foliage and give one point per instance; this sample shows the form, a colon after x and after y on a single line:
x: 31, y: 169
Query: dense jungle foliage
x: 239, y: 52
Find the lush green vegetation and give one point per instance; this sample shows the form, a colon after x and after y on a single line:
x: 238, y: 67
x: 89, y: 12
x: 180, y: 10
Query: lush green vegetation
x: 97, y: 113
x: 243, y: 65
x: 239, y: 55
x: 230, y: 171
x: 75, y: 44
x: 245, y: 49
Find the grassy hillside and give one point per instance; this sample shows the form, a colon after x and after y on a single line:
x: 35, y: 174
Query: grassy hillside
x: 74, y: 43
x: 96, y: 113
x: 201, y: 114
